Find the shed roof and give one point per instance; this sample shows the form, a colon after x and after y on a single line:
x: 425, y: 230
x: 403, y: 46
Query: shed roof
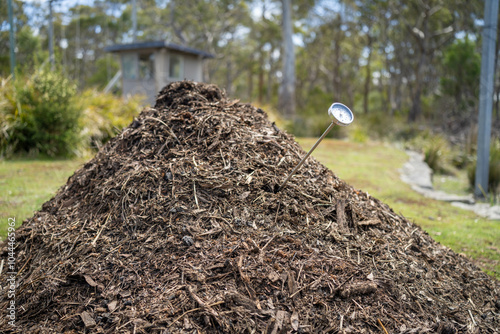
x: 157, y: 45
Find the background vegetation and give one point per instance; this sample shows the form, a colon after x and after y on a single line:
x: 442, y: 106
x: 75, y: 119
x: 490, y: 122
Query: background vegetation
x: 409, y: 69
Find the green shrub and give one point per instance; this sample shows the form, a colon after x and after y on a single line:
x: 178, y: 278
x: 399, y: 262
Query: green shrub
x: 315, y: 126
x: 44, y: 115
x: 39, y: 116
x: 359, y: 134
x: 494, y: 169
x: 407, y: 132
x: 436, y: 150
x: 104, y: 115
x: 7, y: 115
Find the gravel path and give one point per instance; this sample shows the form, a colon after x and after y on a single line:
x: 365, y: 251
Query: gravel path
x: 418, y: 175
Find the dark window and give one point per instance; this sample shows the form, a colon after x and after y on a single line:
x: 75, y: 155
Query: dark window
x: 175, y: 67
x: 129, y: 64
x: 146, y: 66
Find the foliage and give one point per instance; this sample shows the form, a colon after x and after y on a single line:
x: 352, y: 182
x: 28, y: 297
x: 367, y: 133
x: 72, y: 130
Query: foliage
x: 104, y: 115
x: 460, y: 80
x: 40, y: 117
x: 7, y: 115
x: 44, y: 115
x: 106, y: 69
x: 436, y: 150
x: 383, y: 57
x: 494, y: 169
x: 359, y: 134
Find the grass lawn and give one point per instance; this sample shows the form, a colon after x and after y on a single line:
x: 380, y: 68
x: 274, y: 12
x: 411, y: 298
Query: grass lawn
x: 27, y: 184
x: 371, y: 167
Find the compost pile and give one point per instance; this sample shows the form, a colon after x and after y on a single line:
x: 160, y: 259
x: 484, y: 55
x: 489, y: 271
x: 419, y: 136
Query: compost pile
x: 176, y: 227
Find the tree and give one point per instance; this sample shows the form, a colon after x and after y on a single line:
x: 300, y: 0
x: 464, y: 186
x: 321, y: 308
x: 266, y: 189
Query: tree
x: 20, y: 21
x: 460, y: 80
x: 431, y: 25
x: 287, y: 89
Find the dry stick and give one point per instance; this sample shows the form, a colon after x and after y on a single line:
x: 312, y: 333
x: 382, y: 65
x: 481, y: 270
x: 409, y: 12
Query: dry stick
x: 223, y: 160
x: 192, y: 310
x: 472, y: 317
x: 195, y: 198
x: 267, y: 244
x: 201, y: 302
x: 277, y: 211
x: 304, y: 287
x: 380, y: 323
x: 169, y: 129
x: 102, y: 228
x: 25, y: 263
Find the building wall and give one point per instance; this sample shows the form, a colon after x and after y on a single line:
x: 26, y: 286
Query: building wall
x: 190, y: 68
x: 193, y: 68
x: 161, y: 69
x: 141, y: 87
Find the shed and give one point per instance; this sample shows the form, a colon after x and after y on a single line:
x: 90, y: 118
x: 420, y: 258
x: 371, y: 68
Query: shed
x: 146, y: 67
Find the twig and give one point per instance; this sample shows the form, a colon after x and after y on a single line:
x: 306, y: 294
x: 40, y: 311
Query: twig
x: 24, y: 265
x: 304, y: 287
x: 102, y: 228
x: 472, y: 317
x: 201, y: 302
x: 381, y: 325
x: 169, y: 129
x: 267, y: 244
x: 277, y: 211
x: 191, y: 311
x: 195, y: 198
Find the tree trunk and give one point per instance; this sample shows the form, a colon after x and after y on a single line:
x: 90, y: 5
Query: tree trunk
x: 368, y: 77
x: 287, y: 89
x: 250, y: 82
x: 261, y: 77
x: 336, y: 73
x: 229, y: 78
x: 416, y: 107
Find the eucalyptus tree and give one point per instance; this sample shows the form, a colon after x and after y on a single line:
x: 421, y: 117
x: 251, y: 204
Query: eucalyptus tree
x: 287, y: 89
x: 430, y: 26
x: 20, y: 22
x: 83, y: 39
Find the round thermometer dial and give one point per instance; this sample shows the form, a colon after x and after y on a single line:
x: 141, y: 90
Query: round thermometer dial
x: 340, y: 114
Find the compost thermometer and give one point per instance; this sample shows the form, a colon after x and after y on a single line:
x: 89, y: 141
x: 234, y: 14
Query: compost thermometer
x: 340, y: 115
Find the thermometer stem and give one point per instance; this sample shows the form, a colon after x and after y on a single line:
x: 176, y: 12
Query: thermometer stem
x: 307, y: 155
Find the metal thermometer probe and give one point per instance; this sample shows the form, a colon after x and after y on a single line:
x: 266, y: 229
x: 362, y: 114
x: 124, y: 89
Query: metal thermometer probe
x: 340, y: 115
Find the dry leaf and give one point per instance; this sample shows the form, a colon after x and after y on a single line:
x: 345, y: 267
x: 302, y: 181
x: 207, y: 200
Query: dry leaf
x: 112, y: 305
x: 87, y: 319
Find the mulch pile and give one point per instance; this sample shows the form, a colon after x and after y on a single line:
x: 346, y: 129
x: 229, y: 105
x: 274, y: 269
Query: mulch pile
x: 175, y: 227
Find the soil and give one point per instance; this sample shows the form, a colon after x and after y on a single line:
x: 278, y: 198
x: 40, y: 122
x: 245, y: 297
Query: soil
x: 175, y: 226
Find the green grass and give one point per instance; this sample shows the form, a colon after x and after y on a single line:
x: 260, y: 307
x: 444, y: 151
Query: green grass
x: 452, y: 184
x: 27, y: 184
x: 373, y: 168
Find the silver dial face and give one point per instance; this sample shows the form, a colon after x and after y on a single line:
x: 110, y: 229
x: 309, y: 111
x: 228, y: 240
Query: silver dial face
x: 340, y: 114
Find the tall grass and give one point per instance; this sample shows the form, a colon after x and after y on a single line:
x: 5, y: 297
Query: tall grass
x: 494, y: 170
